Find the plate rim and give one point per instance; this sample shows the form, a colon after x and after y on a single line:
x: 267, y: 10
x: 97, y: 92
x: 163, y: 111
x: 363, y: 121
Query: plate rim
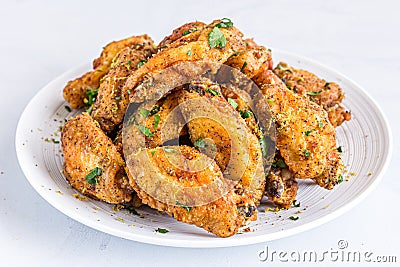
x: 212, y: 242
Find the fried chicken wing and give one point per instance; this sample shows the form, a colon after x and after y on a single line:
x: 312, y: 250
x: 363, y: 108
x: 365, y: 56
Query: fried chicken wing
x: 75, y: 90
x: 327, y: 94
x: 112, y: 102
x: 169, y: 170
x: 233, y: 146
x: 305, y: 137
x: 88, y: 151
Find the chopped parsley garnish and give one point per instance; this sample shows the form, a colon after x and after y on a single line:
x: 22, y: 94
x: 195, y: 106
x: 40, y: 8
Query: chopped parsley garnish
x: 141, y: 63
x: 152, y: 153
x: 263, y: 145
x: 117, y: 98
x: 270, y: 100
x: 189, y: 53
x: 213, y: 92
x: 129, y: 91
x: 154, y: 110
x: 68, y: 108
x: 132, y: 210
x: 145, y: 113
x: 243, y: 66
x: 55, y: 141
x: 183, y: 206
x: 284, y: 69
x: 170, y: 150
x: 295, y: 204
x: 90, y: 99
x: 216, y: 38
x: 186, y: 32
x: 99, y: 70
x: 233, y: 103
x: 245, y: 113
x: 314, y: 93
x: 200, y: 143
x: 162, y: 230
x: 327, y: 84
x: 288, y: 86
x: 339, y: 149
x: 307, y: 133
x: 307, y: 153
x: 91, y: 178
x: 321, y: 124
x: 129, y: 62
x: 146, y: 131
x: 293, y: 218
x: 279, y: 163
x: 269, y: 49
x: 340, y: 179
x: 156, y: 121
x: 225, y: 23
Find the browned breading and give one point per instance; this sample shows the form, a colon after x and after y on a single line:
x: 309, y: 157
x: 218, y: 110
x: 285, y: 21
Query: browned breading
x: 327, y: 94
x: 112, y: 102
x: 85, y: 148
x: 191, y: 30
x: 223, y: 216
x: 75, y: 90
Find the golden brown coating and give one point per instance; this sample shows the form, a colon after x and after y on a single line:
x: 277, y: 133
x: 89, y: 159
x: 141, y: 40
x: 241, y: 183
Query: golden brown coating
x: 327, y: 94
x: 112, y: 102
x: 191, y: 30
x: 305, y: 137
x: 219, y: 131
x: 222, y: 217
x: 198, y: 50
x: 85, y: 148
x: 75, y: 90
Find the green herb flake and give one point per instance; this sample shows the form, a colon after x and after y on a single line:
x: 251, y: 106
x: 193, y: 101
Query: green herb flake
x: 156, y: 120
x: 314, y: 93
x: 216, y: 38
x: 141, y: 63
x: 152, y: 153
x: 162, y: 230
x: 91, y: 178
x: 129, y: 62
x: 269, y: 49
x: 295, y: 204
x: 90, y: 99
x: 132, y: 210
x: 170, y: 150
x: 146, y: 131
x: 99, y: 70
x: 270, y: 100
x: 263, y: 144
x: 154, y: 110
x: 145, y: 113
x: 67, y: 108
x: 284, y: 69
x: 243, y: 66
x: 186, y: 32
x: 327, y: 84
x: 184, y: 206
x: 339, y: 149
x: 55, y: 141
x: 117, y: 98
x: 321, y: 124
x: 189, y: 53
x: 225, y: 23
x: 307, y: 133
x: 340, y: 179
x: 129, y: 91
x: 293, y: 218
x: 307, y: 153
x: 213, y: 92
x: 200, y: 143
x: 245, y: 113
x: 233, y: 103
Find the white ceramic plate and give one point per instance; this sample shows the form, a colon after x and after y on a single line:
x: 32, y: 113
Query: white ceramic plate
x: 366, y: 143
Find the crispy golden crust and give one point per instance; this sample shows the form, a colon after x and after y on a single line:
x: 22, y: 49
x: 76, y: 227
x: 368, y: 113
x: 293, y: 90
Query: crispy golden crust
x: 223, y: 217
x: 199, y: 50
x: 213, y: 118
x: 191, y: 30
x: 327, y: 94
x: 112, y: 102
x: 75, y: 90
x: 305, y: 137
x: 86, y: 147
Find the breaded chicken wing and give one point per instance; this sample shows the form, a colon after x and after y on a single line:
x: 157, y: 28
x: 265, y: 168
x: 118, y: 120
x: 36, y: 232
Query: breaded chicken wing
x: 112, y: 102
x: 327, y: 94
x: 75, y: 90
x: 92, y: 164
x: 170, y: 169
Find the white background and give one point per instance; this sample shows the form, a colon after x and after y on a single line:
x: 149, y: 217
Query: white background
x: 41, y: 39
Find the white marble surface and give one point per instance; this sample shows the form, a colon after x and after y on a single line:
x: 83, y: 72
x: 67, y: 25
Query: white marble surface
x: 42, y: 39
